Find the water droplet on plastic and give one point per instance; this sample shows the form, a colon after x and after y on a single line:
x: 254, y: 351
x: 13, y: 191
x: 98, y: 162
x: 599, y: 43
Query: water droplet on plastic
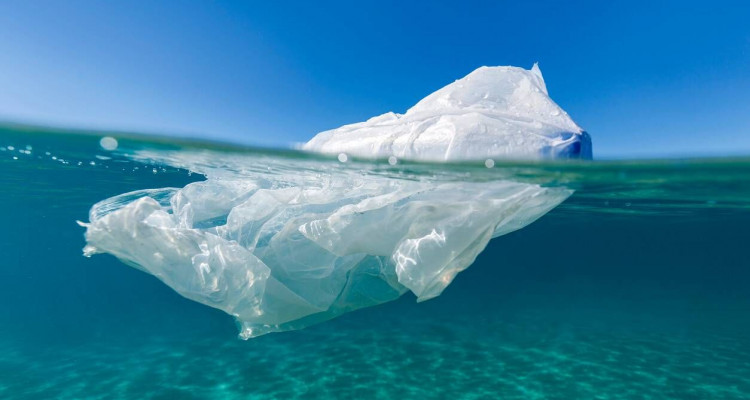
x: 392, y: 160
x: 343, y: 157
x: 108, y: 143
x: 489, y: 163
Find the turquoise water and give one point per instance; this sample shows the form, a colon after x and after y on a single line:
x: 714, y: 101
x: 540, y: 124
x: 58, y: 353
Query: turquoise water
x: 635, y: 287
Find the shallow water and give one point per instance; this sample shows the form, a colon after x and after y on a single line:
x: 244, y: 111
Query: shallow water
x: 635, y: 287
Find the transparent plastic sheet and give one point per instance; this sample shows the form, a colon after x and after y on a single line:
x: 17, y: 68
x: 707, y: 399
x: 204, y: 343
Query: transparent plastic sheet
x: 281, y: 243
x: 494, y: 112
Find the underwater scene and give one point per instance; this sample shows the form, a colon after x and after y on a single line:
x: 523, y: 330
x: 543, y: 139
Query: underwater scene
x: 341, y: 277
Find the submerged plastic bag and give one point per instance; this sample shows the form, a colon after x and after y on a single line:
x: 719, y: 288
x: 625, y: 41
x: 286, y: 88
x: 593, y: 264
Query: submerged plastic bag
x: 281, y: 242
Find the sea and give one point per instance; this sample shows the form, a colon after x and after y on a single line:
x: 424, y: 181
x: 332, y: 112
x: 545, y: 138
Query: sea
x: 635, y: 287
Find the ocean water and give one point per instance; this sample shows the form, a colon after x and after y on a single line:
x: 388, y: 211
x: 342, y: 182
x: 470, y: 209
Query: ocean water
x: 636, y: 287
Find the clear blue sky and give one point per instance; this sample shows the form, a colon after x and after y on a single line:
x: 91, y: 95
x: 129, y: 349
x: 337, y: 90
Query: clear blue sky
x: 671, y: 78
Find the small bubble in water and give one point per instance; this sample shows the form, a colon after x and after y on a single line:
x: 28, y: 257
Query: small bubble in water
x: 92, y: 163
x: 108, y: 143
x: 15, y: 158
x: 154, y: 170
x: 54, y: 157
x: 11, y: 148
x: 392, y: 160
x: 489, y: 163
x: 343, y: 157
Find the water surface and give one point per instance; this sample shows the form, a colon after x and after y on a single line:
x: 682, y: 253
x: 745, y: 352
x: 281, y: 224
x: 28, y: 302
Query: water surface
x: 635, y: 287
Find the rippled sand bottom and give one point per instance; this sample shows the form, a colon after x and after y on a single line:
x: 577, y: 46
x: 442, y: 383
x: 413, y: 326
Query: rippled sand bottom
x: 408, y: 357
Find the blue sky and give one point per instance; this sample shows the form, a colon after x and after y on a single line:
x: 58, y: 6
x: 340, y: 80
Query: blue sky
x: 644, y: 79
